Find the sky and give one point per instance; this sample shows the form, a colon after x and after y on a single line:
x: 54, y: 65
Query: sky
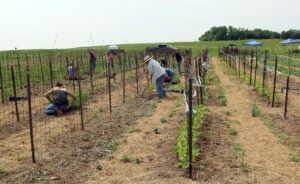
x: 47, y: 24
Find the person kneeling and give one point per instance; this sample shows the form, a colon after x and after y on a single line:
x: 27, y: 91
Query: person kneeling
x: 60, y: 103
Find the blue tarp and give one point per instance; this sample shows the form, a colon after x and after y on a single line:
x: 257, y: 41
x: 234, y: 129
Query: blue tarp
x: 289, y: 41
x: 251, y: 43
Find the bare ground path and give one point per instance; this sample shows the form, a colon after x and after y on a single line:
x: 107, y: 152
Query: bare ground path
x: 268, y: 159
x: 156, y: 150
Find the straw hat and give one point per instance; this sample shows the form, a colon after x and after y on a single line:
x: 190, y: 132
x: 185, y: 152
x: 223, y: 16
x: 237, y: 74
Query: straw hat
x: 147, y: 58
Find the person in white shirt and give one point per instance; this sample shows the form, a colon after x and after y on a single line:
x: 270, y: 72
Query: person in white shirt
x: 72, y: 72
x: 157, y: 74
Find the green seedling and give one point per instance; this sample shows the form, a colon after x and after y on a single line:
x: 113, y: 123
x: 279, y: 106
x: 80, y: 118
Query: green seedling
x: 233, y: 132
x: 163, y: 120
x: 138, y: 160
x: 227, y: 112
x: 294, y: 154
x: 126, y: 158
x: 153, y: 106
x: 110, y: 155
x: 255, y: 110
x: 101, y: 109
x: 99, y: 167
x: 156, y: 130
x: 2, y: 170
x: 112, y: 145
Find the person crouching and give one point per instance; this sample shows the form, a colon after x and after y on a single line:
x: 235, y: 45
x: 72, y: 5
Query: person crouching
x: 60, y: 103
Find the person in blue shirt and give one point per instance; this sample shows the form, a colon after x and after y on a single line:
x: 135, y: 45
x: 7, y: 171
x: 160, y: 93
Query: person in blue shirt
x: 170, y: 73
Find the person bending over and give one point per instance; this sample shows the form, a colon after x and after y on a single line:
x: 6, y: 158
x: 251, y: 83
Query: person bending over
x: 157, y: 74
x: 58, y: 96
x: 72, y: 72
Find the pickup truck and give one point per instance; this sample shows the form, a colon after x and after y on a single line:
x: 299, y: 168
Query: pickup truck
x: 115, y: 50
x: 161, y: 48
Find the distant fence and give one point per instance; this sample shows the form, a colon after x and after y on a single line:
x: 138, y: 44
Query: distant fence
x: 276, y: 78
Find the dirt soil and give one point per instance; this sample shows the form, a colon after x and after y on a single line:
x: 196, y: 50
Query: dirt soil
x: 73, y: 156
x: 263, y: 159
x: 132, y: 145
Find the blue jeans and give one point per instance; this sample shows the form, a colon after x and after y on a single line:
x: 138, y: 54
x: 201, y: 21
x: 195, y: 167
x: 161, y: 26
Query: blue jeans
x: 159, y: 86
x: 179, y: 67
x: 50, y: 110
x: 92, y: 65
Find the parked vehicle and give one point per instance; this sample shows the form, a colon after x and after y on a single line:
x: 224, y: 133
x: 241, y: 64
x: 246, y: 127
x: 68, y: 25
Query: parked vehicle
x: 161, y: 48
x: 114, y: 49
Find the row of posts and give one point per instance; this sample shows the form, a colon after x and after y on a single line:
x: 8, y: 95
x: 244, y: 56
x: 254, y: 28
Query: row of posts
x: 231, y: 60
x: 107, y: 71
x: 201, y: 65
x: 122, y: 61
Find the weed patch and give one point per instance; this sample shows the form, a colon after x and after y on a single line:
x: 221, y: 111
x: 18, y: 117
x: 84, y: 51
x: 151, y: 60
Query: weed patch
x: 233, y: 132
x: 239, y: 153
x: 111, y: 147
x: 255, y: 110
x: 2, y: 170
x: 127, y: 158
x: 163, y: 120
x: 294, y: 154
x: 227, y: 113
x: 156, y: 130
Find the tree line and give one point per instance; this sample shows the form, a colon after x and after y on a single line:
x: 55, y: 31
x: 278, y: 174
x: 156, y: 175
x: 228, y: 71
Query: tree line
x: 232, y: 33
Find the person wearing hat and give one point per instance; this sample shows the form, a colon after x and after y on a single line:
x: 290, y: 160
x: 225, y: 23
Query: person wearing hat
x: 157, y: 74
x: 92, y: 60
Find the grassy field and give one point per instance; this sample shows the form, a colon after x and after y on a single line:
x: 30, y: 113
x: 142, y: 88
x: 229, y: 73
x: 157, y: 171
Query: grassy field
x: 272, y: 45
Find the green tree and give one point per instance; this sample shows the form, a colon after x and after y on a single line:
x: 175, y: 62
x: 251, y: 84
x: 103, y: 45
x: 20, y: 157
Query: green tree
x: 232, y: 33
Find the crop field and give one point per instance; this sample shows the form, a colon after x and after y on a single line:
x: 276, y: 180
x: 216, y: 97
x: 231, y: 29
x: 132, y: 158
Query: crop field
x: 222, y: 122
